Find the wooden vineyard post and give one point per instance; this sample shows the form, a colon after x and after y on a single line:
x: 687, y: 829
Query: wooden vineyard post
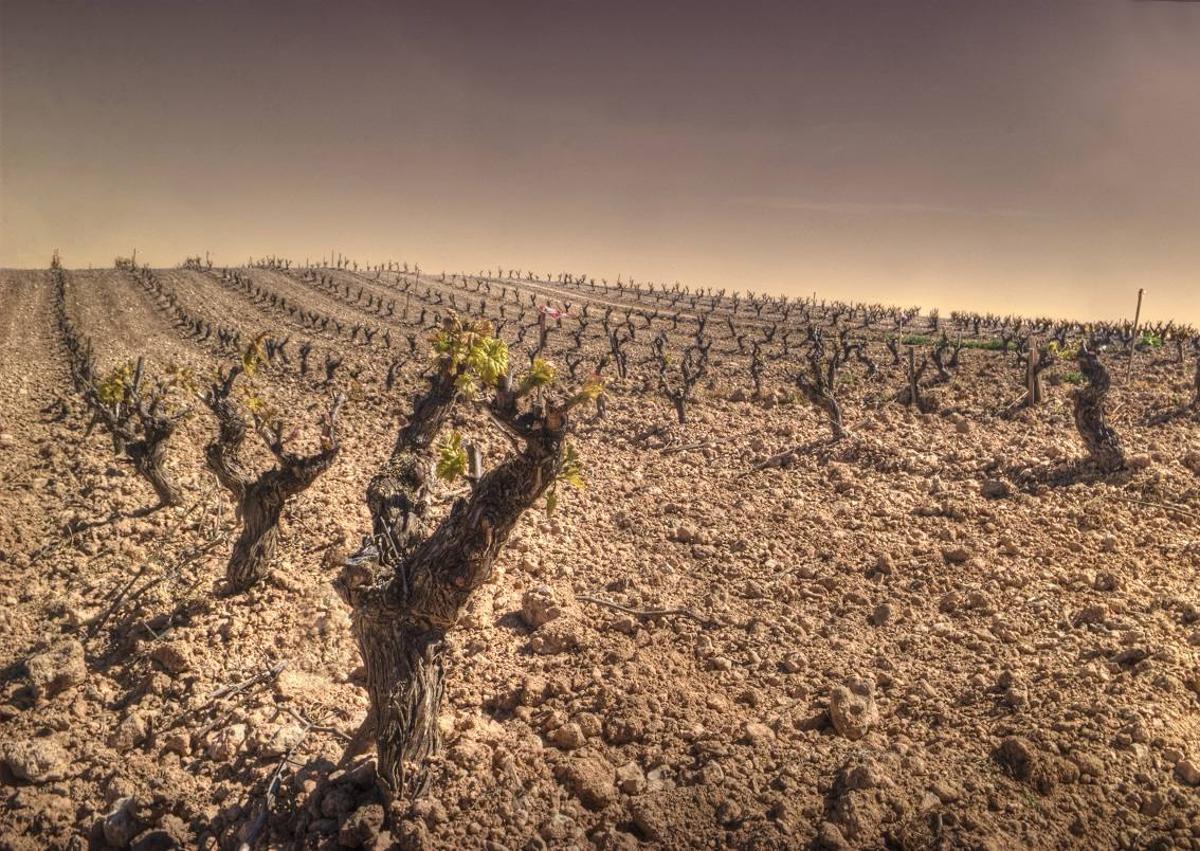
x: 1031, y: 365
x: 1137, y: 315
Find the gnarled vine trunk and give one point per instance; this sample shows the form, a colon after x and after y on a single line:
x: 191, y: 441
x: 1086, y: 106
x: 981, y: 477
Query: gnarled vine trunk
x: 817, y: 385
x: 408, y: 582
x: 1102, y: 443
x: 260, y: 499
x: 138, y: 427
x: 911, y: 394
x: 260, y: 506
x: 148, y: 455
x: 823, y: 400
x: 679, y: 404
x: 402, y: 610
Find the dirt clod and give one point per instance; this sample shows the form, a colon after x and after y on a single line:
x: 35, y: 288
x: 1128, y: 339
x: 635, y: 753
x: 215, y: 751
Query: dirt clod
x: 57, y: 669
x: 852, y: 708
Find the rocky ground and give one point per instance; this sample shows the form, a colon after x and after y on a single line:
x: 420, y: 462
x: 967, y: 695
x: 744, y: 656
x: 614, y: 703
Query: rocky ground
x: 941, y: 632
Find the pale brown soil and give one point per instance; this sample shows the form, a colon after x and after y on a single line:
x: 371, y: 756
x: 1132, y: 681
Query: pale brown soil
x: 1061, y: 619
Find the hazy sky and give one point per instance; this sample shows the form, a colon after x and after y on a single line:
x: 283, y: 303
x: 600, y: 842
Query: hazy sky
x: 1040, y: 156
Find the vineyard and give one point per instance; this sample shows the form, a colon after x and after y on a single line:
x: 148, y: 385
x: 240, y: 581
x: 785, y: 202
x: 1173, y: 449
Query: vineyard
x: 323, y: 556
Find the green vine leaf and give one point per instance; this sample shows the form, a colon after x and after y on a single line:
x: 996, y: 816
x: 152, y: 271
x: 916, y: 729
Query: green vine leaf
x: 571, y: 471
x: 254, y: 355
x: 539, y: 375
x: 452, y: 459
x: 488, y: 359
x: 471, y: 353
x: 113, y: 388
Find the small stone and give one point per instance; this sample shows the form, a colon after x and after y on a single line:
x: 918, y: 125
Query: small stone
x: 884, y: 565
x: 631, y: 779
x: 590, y: 779
x: 173, y: 656
x: 995, y: 489
x: 1089, y: 765
x: 120, y: 825
x: 1187, y: 772
x: 568, y: 737
x: 1026, y: 763
x: 712, y: 774
x: 956, y: 555
x: 625, y: 624
x: 1130, y: 656
x: 130, y: 733
x: 296, y: 685
x: 754, y: 733
x: 533, y: 691
x: 1139, y: 461
x: 852, y: 708
x: 831, y: 838
x: 729, y: 812
x: 860, y: 773
x: 686, y: 533
x: 224, y: 743
x: 590, y: 723
x: 1152, y: 804
x: 1097, y: 613
x: 557, y: 637
x: 539, y: 606
x: 282, y: 740
x: 178, y: 741
x: 882, y: 614
x: 57, y: 669
x: 35, y: 760
x: 1017, y: 755
x: 946, y: 792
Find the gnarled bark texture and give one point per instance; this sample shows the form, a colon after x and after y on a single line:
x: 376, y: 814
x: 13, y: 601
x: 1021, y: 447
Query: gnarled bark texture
x: 408, y: 584
x: 148, y: 455
x: 397, y: 495
x: 139, y: 430
x: 260, y: 499
x: 911, y: 394
x: 1102, y: 443
x: 823, y: 400
x: 692, y: 368
x: 817, y: 386
x: 260, y: 508
x: 400, y: 623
